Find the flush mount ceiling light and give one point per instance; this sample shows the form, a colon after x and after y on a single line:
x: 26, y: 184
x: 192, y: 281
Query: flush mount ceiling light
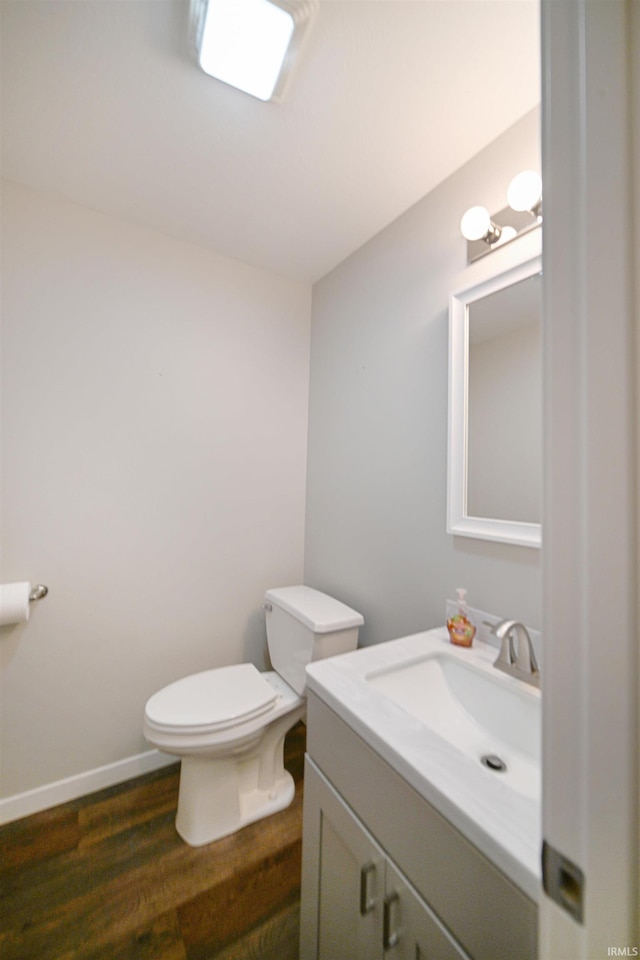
x: 484, y: 232
x: 250, y: 44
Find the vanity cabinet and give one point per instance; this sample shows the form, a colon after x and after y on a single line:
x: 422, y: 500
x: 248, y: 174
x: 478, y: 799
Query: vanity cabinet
x: 385, y: 875
x: 366, y: 908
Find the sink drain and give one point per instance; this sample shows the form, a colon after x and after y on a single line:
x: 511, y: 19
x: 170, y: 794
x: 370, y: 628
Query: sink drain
x: 493, y: 762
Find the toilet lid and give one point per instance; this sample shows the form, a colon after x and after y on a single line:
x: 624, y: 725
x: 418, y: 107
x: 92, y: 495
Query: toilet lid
x: 212, y: 700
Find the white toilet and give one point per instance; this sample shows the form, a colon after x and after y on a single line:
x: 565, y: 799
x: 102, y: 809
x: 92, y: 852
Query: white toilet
x: 228, y: 725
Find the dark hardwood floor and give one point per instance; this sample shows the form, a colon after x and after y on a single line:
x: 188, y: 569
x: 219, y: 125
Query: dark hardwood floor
x: 106, y: 877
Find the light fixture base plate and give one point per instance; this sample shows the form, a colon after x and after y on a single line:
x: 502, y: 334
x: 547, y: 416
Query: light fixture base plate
x: 522, y: 222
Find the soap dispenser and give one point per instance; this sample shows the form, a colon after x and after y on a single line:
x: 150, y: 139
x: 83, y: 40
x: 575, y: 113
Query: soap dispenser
x: 461, y: 630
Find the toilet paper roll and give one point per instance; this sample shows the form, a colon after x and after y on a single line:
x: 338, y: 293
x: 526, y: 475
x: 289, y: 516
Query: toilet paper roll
x: 14, y: 603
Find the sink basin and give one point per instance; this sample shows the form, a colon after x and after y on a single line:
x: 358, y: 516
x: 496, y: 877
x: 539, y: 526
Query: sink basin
x: 489, y: 718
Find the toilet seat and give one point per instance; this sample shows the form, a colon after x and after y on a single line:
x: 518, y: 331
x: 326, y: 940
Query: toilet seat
x: 210, y: 701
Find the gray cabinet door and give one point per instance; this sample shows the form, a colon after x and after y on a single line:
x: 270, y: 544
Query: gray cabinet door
x: 344, y: 884
x: 411, y: 931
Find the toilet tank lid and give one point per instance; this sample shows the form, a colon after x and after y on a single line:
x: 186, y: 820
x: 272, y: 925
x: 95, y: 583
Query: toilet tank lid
x: 318, y: 611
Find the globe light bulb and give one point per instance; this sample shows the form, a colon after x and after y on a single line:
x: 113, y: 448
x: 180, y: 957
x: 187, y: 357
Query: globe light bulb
x: 508, y: 233
x: 476, y: 223
x: 525, y: 192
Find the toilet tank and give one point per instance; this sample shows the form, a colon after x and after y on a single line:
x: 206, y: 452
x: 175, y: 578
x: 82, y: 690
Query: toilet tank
x: 304, y: 624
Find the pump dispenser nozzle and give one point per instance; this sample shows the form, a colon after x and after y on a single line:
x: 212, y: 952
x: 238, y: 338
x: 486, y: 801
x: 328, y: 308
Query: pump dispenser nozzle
x: 463, y: 609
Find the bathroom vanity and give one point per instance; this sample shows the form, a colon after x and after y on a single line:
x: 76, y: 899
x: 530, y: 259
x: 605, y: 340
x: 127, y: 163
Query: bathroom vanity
x: 411, y: 849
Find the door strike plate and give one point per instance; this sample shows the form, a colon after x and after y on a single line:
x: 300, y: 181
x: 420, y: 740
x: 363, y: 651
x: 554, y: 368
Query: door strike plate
x: 563, y: 882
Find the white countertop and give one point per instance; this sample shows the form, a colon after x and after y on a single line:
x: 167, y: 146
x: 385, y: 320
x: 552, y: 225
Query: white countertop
x: 503, y: 824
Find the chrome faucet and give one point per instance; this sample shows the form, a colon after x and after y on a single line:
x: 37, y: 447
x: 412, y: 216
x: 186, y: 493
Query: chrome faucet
x: 517, y: 659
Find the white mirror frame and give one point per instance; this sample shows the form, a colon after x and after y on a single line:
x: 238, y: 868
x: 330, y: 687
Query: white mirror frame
x: 458, y: 522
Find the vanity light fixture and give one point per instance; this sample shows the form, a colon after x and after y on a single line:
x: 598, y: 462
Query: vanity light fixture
x: 250, y: 44
x: 484, y: 232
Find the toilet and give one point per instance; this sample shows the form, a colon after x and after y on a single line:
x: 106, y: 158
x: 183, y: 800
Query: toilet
x: 228, y: 724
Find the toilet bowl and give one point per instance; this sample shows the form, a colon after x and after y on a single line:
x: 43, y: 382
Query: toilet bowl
x: 228, y: 724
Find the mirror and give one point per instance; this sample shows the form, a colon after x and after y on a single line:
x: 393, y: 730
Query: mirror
x: 495, y: 408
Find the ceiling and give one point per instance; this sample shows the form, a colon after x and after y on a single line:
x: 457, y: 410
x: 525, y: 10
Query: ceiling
x: 104, y: 104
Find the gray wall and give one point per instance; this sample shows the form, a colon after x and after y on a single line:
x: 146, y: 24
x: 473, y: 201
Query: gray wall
x: 377, y: 461
x: 154, y: 424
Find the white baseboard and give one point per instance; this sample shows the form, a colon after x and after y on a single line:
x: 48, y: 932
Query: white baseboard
x: 61, y: 791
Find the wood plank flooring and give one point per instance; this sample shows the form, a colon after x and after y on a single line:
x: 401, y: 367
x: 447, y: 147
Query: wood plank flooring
x: 107, y: 877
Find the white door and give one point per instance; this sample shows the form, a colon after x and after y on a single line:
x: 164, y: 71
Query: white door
x: 591, y: 50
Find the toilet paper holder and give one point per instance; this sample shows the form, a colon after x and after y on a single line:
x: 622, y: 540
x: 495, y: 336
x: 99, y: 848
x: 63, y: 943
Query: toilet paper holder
x: 38, y: 592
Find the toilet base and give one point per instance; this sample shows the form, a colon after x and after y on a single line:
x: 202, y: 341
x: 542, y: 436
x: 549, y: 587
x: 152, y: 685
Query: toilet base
x: 219, y: 795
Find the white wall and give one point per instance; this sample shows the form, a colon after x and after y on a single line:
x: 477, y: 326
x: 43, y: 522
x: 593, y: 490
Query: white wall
x: 154, y: 421
x: 377, y: 468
